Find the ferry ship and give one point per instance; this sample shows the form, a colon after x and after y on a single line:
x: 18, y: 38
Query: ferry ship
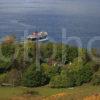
x: 40, y: 36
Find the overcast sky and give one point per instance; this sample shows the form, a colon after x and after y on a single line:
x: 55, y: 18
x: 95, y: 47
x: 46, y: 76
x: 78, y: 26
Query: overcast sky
x: 52, y: 6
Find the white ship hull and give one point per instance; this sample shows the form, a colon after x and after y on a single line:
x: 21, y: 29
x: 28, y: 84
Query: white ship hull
x: 41, y: 36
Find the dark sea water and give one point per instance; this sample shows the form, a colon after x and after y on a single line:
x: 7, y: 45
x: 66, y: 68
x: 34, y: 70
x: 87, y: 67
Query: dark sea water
x: 73, y: 18
x: 83, y: 27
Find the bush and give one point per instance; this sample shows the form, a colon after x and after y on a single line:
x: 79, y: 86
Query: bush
x: 84, y: 75
x: 54, y: 70
x: 8, y: 50
x: 4, y: 66
x: 58, y: 82
x: 33, y: 78
x: 96, y: 78
x: 3, y: 78
x: 51, y: 71
x: 72, y: 77
x: 12, y: 77
x: 80, y: 72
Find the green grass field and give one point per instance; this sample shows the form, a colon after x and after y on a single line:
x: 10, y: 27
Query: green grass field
x: 7, y: 92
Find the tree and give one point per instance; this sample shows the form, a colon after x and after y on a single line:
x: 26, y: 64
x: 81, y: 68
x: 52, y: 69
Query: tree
x: 9, y: 39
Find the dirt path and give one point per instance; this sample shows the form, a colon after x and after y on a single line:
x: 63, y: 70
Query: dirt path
x: 93, y: 97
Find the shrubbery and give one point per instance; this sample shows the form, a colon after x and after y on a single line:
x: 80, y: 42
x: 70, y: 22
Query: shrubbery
x: 34, y: 78
x: 71, y: 78
x: 58, y: 81
x: 84, y: 75
x: 12, y: 77
x: 3, y: 78
x: 96, y: 78
x: 21, y: 68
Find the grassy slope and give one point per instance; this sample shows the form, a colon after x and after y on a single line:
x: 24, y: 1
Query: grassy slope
x: 73, y: 93
x: 8, y: 92
x: 77, y: 92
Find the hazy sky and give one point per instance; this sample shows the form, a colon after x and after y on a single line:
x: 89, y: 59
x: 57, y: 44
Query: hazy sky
x: 90, y: 7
